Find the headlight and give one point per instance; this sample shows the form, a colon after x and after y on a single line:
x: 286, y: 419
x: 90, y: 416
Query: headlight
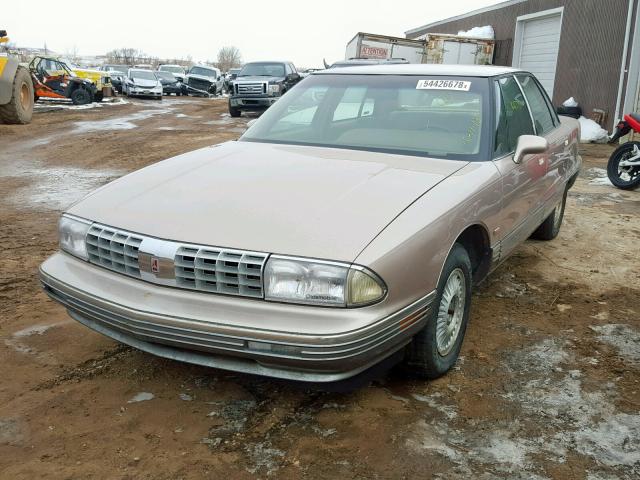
x: 274, y: 88
x: 72, y: 232
x: 320, y: 283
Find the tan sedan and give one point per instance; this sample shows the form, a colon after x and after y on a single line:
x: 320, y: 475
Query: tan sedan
x: 347, y: 226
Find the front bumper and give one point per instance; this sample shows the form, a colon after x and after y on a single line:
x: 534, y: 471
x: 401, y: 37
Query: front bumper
x: 231, y: 333
x: 252, y: 102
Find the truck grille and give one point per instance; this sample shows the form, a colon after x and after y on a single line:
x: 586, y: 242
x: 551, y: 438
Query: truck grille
x: 194, y: 267
x: 114, y: 249
x: 251, y: 88
x: 220, y: 270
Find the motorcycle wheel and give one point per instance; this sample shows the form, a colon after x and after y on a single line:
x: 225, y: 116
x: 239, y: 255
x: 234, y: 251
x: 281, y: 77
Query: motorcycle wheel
x: 625, y: 178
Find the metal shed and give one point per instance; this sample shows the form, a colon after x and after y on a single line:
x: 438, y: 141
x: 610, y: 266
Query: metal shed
x: 586, y: 49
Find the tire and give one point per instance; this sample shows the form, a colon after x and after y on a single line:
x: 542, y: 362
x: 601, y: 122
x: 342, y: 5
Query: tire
x: 80, y: 96
x: 234, y: 112
x: 614, y: 171
x: 549, y: 229
x: 19, y: 110
x: 435, y: 349
x: 98, y: 97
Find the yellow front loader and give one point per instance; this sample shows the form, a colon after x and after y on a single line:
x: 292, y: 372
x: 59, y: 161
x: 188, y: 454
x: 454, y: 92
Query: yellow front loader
x: 16, y: 89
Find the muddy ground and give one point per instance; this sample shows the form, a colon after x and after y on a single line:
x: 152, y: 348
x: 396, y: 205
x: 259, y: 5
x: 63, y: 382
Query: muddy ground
x: 547, y: 385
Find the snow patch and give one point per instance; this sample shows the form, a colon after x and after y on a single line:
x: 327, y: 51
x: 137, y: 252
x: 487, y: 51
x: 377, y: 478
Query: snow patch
x: 623, y: 338
x: 590, y: 131
x: 485, y: 32
x: 142, y: 397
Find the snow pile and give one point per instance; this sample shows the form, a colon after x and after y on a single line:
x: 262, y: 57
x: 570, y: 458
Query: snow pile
x: 570, y: 102
x: 478, y: 32
x: 590, y: 131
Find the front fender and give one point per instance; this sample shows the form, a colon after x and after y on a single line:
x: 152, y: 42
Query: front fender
x: 410, y: 252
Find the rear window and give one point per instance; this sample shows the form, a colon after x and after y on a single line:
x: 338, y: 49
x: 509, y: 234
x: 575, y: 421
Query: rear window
x: 417, y: 115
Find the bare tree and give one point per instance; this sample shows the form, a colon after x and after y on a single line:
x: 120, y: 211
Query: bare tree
x: 228, y: 57
x: 72, y: 54
x: 128, y: 56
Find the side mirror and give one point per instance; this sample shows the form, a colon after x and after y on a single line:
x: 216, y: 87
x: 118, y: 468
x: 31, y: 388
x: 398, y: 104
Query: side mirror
x: 528, y: 145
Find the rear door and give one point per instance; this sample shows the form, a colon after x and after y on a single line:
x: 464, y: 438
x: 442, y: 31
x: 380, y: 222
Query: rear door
x: 523, y: 183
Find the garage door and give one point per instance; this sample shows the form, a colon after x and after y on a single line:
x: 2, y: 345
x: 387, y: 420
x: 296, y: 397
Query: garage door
x: 538, y: 48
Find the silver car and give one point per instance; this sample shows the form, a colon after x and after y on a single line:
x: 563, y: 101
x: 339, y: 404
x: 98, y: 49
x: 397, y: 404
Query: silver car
x: 347, y: 226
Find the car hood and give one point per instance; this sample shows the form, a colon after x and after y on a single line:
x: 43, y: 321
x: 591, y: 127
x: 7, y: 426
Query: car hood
x: 296, y: 200
x: 202, y: 77
x: 141, y: 82
x: 258, y: 79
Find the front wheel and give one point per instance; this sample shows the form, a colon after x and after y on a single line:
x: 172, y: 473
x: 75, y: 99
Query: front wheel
x: 81, y: 96
x: 435, y: 349
x: 234, y: 112
x: 624, y: 177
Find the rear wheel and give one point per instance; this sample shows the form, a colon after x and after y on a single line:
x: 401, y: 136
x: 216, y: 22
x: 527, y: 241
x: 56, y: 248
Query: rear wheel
x: 435, y: 349
x: 19, y: 110
x: 549, y: 229
x: 624, y: 177
x: 80, y: 96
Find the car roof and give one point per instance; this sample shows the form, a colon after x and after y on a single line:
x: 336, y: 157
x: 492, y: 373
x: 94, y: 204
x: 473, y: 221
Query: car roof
x: 268, y: 61
x: 422, y: 69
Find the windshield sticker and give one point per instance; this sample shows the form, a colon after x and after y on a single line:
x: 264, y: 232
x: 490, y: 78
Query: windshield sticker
x: 443, y: 85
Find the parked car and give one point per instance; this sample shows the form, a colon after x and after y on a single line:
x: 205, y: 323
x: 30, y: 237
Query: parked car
x: 203, y: 80
x: 231, y: 75
x: 354, y: 62
x: 170, y: 84
x: 346, y: 227
x: 177, y: 71
x: 260, y: 84
x: 142, y: 83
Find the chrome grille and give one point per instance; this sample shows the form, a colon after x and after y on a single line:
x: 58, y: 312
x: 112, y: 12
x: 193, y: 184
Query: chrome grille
x: 114, y: 249
x: 251, y: 88
x: 219, y: 270
x: 183, y: 265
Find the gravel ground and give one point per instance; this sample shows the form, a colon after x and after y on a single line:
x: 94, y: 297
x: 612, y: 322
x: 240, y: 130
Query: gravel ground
x: 547, y: 385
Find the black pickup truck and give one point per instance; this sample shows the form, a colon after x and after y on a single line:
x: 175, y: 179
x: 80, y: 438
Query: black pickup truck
x: 259, y: 85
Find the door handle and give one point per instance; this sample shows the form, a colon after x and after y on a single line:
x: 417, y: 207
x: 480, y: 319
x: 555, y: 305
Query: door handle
x: 541, y: 161
x: 566, y: 142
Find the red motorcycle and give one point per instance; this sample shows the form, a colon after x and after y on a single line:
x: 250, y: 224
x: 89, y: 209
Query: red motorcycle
x: 623, y: 168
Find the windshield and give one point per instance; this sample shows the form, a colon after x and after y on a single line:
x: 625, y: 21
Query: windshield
x: 440, y: 117
x: 143, y: 75
x: 262, y: 70
x: 205, y: 72
x: 167, y: 68
x: 166, y: 76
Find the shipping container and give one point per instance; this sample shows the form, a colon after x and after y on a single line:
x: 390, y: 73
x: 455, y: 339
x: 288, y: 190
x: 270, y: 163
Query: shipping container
x: 434, y: 48
x: 368, y: 45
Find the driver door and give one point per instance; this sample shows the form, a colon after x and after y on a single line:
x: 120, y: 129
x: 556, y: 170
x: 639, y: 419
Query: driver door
x: 523, y: 184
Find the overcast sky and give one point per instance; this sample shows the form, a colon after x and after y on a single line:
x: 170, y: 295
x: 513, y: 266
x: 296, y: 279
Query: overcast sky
x: 301, y: 31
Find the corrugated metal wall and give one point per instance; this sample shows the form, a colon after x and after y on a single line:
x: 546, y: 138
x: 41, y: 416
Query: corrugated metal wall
x: 590, y: 53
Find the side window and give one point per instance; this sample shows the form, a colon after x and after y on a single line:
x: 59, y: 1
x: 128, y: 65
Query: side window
x: 542, y: 117
x: 512, y: 116
x: 287, y: 69
x: 292, y: 68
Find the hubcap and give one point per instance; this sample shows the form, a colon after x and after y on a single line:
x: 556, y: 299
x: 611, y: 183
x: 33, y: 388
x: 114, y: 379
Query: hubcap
x: 450, y: 312
x: 557, y: 215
